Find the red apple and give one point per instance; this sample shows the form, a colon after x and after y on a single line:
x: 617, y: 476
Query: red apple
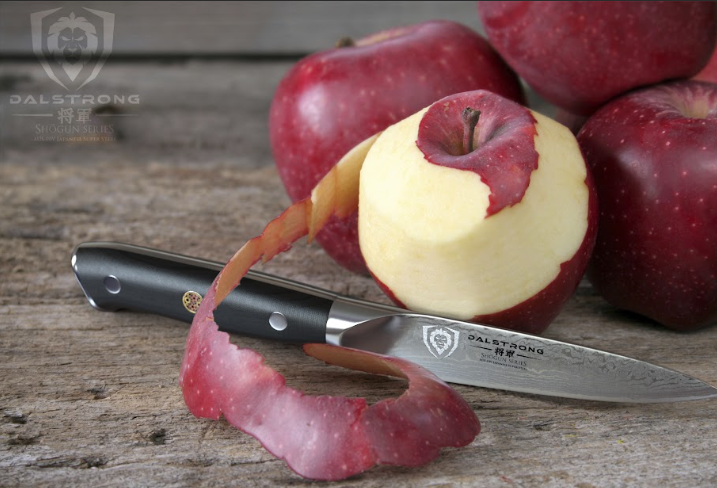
x: 653, y: 154
x: 480, y: 209
x: 331, y: 101
x: 578, y: 55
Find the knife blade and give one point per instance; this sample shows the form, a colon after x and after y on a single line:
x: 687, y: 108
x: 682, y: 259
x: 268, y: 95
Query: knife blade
x: 117, y: 276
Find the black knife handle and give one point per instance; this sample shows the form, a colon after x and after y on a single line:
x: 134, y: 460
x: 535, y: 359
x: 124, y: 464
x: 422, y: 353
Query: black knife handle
x: 121, y: 276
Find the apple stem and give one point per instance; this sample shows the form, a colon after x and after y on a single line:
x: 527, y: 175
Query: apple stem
x: 470, y: 122
x: 345, y: 42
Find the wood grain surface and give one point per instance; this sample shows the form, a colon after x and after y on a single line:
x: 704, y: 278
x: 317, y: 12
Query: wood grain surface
x: 91, y: 398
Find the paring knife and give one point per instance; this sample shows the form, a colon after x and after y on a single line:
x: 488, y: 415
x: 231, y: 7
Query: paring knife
x: 117, y: 276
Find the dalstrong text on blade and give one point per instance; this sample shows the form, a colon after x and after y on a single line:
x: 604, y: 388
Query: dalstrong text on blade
x: 504, y: 344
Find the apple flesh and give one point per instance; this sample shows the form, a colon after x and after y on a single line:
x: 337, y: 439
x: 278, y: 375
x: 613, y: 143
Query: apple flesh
x: 330, y: 101
x: 578, y: 55
x: 488, y: 217
x: 653, y: 154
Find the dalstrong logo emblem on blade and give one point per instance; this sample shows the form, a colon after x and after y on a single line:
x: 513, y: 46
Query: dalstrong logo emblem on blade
x: 72, y: 43
x: 440, y: 341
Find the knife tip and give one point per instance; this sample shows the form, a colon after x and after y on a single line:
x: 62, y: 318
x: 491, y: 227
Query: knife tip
x: 705, y: 391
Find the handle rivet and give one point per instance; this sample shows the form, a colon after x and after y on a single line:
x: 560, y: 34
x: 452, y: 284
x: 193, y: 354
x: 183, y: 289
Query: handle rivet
x: 112, y: 284
x: 191, y: 301
x: 278, y: 321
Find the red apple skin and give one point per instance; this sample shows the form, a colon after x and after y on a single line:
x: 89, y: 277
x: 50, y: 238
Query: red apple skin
x: 655, y: 169
x: 579, y: 55
x: 502, y: 151
x: 505, y: 165
x: 332, y: 100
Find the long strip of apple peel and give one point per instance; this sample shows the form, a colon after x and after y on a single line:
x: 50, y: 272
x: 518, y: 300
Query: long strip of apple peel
x: 337, y: 192
x: 320, y: 437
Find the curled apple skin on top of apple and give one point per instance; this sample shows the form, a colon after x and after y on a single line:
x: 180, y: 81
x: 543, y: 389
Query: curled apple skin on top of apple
x: 653, y: 154
x: 479, y: 209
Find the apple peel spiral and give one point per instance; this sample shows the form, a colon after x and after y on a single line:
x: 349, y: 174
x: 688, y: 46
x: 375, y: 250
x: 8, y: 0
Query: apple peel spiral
x: 319, y: 437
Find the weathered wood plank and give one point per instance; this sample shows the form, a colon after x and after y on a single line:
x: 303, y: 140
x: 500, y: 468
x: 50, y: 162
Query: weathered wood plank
x: 235, y: 28
x: 92, y: 399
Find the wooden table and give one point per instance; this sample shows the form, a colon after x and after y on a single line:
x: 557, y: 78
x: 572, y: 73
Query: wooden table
x: 92, y: 399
